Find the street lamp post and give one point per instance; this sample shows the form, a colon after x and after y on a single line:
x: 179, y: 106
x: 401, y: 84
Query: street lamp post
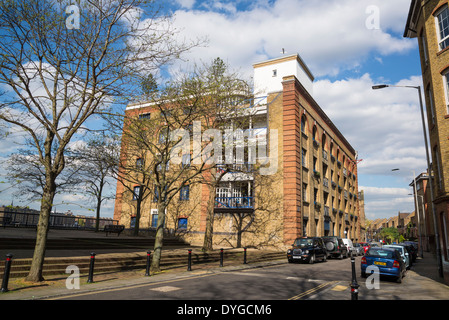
x: 437, y: 238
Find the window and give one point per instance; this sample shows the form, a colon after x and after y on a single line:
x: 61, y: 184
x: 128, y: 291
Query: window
x: 182, y: 223
x: 186, y: 160
x: 159, y: 166
x: 136, y: 192
x: 184, y: 193
x: 139, y: 164
x: 303, y: 124
x: 424, y: 48
x: 132, y: 223
x: 145, y: 116
x: 275, y: 72
x: 163, y: 136
x: 304, y: 158
x: 154, y: 218
x: 446, y: 89
x: 442, y: 20
x: 431, y: 105
x: 156, y: 194
x: 304, y: 192
x: 438, y: 168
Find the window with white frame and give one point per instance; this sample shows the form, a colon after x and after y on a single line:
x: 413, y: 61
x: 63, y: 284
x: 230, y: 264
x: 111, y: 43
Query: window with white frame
x: 446, y: 89
x: 442, y: 21
x: 154, y: 217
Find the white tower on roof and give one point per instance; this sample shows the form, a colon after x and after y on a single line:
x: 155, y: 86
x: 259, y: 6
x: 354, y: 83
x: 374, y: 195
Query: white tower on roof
x: 268, y: 74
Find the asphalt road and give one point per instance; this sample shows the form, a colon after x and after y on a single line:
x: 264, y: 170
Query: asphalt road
x: 279, y: 282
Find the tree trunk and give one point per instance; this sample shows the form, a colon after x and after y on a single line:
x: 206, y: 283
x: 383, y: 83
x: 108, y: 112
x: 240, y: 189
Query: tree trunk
x: 35, y: 273
x: 138, y: 211
x: 239, y: 231
x: 155, y: 262
x: 137, y: 223
x: 97, y: 222
x: 209, y: 232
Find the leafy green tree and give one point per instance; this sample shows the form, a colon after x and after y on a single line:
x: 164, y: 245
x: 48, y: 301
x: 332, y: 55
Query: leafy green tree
x: 390, y: 234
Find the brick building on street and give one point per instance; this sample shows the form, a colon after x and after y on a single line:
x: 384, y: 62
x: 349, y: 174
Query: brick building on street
x: 428, y: 22
x: 313, y: 191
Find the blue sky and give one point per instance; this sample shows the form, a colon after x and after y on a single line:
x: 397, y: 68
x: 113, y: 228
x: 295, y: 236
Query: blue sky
x: 349, y: 45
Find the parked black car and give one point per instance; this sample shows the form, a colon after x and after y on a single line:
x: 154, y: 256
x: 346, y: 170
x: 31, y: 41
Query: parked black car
x: 411, y: 250
x: 335, y: 247
x: 307, y: 249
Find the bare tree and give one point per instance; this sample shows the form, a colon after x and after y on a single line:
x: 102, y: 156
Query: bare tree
x: 165, y: 135
x: 96, y: 161
x: 56, y: 74
x: 27, y: 174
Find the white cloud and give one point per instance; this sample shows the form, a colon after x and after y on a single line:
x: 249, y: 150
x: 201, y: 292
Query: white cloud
x: 188, y: 4
x: 384, y: 126
x: 330, y: 35
x: 386, y: 202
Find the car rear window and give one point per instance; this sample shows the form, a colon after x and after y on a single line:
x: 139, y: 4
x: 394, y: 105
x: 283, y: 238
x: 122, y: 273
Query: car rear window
x: 380, y: 253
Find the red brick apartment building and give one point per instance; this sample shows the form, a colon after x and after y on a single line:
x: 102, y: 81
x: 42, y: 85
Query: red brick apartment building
x: 312, y: 192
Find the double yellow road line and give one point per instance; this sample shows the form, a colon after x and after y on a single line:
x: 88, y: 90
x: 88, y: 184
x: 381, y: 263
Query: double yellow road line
x: 313, y: 290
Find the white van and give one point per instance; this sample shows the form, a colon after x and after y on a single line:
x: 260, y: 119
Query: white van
x: 350, y: 246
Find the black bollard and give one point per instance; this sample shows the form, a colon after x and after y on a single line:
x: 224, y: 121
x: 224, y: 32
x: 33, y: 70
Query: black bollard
x: 6, y: 273
x: 90, y: 279
x: 221, y: 257
x: 189, y: 265
x: 244, y: 255
x: 354, y: 285
x: 147, y: 273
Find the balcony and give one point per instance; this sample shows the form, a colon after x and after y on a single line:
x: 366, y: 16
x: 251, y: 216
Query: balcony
x: 235, y: 172
x: 234, y: 204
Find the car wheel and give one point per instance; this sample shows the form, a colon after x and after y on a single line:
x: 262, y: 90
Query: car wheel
x: 325, y: 257
x: 312, y: 259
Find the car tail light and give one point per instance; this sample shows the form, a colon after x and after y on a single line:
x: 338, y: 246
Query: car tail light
x: 363, y: 260
x: 396, y: 264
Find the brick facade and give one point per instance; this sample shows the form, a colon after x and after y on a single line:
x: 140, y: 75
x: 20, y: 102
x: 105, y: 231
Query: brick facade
x: 284, y: 208
x: 422, y: 23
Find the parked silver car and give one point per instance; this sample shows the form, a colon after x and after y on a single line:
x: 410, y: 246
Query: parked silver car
x: 358, y: 249
x: 403, y: 252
